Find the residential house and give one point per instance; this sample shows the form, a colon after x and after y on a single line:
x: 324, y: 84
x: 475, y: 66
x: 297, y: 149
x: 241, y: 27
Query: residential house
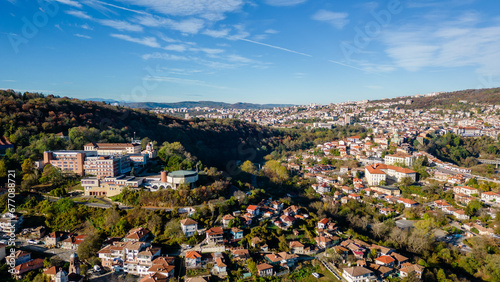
x: 282, y: 258
x: 72, y: 242
x: 253, y: 210
x: 215, y: 235
x: 137, y: 235
x: 237, y: 233
x: 386, y: 211
x: 220, y: 267
x: 51, y: 273
x: 53, y: 238
x: 240, y: 254
x: 400, y: 259
x: 323, y: 242
x: 163, y: 267
x: 193, y: 259
x: 287, y: 220
x: 490, y: 197
x: 469, y: 191
x: 296, y: 247
x: 407, y: 268
x: 265, y: 270
x: 189, y: 227
x: 21, y: 257
x: 358, y: 274
x: 28, y: 266
x: 407, y: 202
x: 226, y: 220
x: 385, y: 260
x: 323, y: 223
x: 145, y: 259
x: 381, y: 270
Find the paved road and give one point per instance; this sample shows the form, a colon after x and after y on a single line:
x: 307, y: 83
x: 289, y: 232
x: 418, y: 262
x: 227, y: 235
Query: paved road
x: 469, y: 175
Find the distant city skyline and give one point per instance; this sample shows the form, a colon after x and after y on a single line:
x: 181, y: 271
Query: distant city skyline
x: 264, y: 52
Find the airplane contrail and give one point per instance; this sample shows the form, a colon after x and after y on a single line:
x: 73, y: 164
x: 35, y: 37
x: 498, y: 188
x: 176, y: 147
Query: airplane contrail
x: 275, y: 47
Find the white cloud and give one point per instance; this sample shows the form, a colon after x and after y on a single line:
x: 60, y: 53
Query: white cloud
x: 70, y: 3
x: 164, y: 56
x: 240, y: 32
x: 121, y: 25
x: 152, y: 20
x: 213, y: 10
x: 338, y: 20
x: 147, y: 41
x: 175, y: 47
x: 239, y: 59
x: 284, y: 2
x: 166, y: 38
x: 217, y: 33
x: 210, y: 51
x: 271, y: 31
x: 82, y: 36
x: 461, y: 42
x: 190, y: 25
x: 79, y: 14
x: 87, y: 27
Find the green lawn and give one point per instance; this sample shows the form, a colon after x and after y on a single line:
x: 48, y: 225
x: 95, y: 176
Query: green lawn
x: 304, y: 273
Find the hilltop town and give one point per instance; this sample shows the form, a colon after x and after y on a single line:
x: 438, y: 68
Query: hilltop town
x: 355, y: 191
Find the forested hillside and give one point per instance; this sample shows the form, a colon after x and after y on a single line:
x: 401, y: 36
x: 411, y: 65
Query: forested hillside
x: 31, y: 120
x: 451, y: 99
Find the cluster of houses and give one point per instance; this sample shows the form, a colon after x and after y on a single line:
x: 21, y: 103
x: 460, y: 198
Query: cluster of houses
x: 218, y: 239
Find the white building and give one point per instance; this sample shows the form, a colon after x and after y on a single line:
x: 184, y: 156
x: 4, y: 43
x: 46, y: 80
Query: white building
x: 189, y: 227
x: 358, y: 274
x: 399, y: 158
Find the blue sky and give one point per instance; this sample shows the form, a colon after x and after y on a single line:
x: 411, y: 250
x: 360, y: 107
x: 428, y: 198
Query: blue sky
x: 269, y: 51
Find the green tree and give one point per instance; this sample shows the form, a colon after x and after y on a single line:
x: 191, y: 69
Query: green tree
x: 249, y: 167
x: 90, y: 246
x: 27, y: 166
x: 3, y: 169
x: 406, y: 181
x: 276, y: 172
x: 252, y: 266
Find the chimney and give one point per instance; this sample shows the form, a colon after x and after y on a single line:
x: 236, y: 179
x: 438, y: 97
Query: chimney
x: 163, y: 176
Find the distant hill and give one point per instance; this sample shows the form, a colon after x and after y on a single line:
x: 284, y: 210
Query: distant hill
x: 450, y: 99
x: 193, y: 104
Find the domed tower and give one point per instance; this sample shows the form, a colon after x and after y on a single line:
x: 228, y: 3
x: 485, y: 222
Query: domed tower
x: 61, y: 276
x: 74, y: 264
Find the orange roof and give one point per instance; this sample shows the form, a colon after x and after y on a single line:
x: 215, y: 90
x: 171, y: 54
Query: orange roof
x: 375, y: 169
x: 188, y: 221
x: 407, y: 201
x: 51, y: 271
x: 324, y: 221
x: 215, y: 231
x: 385, y: 259
x: 263, y: 266
x: 193, y: 255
